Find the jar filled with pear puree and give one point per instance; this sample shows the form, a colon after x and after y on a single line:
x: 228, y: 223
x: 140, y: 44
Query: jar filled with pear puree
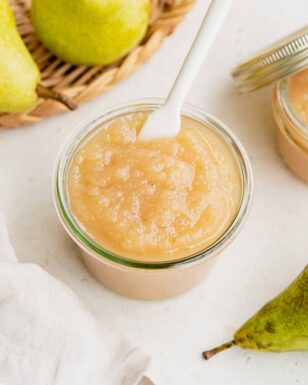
x: 290, y: 106
x: 149, y: 216
x: 285, y: 64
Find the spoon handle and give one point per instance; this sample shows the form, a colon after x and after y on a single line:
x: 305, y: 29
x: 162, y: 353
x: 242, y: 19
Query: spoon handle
x: 209, y: 28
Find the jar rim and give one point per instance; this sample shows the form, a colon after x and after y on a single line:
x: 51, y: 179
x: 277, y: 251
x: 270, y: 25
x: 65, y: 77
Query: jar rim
x: 74, y: 229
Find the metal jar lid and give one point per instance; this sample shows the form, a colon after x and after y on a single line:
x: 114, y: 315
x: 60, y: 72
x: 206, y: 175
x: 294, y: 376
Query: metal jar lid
x: 282, y: 59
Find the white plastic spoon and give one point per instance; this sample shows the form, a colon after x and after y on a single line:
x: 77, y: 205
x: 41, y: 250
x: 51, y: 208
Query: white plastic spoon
x: 166, y: 121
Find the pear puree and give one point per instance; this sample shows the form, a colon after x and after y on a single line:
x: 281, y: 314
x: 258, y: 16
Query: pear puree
x: 156, y: 200
x: 298, y: 94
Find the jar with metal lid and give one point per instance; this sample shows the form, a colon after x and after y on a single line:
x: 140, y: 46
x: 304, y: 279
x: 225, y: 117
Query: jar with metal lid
x: 285, y: 64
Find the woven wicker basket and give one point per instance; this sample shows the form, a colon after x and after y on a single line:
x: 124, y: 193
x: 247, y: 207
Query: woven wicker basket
x: 80, y: 82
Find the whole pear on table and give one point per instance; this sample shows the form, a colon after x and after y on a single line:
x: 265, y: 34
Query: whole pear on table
x: 280, y: 326
x: 19, y: 75
x: 90, y: 32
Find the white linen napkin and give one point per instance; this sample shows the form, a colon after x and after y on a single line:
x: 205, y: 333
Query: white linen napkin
x: 48, y: 338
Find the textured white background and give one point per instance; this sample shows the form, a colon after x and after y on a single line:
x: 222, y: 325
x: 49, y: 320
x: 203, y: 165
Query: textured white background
x: 269, y: 252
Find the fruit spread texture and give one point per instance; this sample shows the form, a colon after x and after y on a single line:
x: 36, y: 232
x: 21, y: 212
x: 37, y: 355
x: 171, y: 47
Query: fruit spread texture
x: 157, y: 200
x: 298, y: 94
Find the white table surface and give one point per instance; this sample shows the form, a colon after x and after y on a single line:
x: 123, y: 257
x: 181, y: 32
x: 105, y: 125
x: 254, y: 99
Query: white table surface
x: 269, y: 252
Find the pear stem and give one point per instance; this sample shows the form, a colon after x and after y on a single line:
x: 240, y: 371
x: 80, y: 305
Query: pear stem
x: 47, y: 93
x: 210, y: 353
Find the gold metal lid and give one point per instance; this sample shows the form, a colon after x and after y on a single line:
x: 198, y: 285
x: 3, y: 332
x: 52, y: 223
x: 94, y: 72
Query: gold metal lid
x: 282, y: 59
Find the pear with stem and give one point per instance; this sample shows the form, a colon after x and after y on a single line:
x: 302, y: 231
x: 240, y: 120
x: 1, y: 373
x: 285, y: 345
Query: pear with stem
x: 280, y: 326
x: 20, y: 85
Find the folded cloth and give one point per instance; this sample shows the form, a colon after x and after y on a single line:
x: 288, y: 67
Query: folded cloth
x: 47, y: 337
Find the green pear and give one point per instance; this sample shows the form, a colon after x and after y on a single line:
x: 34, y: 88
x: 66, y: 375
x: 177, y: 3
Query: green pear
x: 90, y: 32
x: 19, y: 75
x: 280, y: 326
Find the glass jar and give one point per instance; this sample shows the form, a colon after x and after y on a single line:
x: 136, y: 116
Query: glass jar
x: 137, y: 279
x: 292, y: 132
x: 278, y: 64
